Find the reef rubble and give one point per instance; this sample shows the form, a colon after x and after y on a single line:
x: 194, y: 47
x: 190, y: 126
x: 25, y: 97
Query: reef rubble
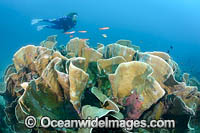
x: 125, y: 83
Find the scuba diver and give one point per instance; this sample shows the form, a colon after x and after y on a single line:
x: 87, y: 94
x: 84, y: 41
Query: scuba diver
x: 64, y: 23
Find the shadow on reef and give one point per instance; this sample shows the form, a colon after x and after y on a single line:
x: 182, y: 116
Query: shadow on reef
x: 116, y: 81
x: 3, y: 126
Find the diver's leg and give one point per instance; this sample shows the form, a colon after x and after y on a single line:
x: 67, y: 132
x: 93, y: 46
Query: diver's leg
x: 53, y: 21
x: 54, y: 27
x: 41, y: 27
x: 35, y: 21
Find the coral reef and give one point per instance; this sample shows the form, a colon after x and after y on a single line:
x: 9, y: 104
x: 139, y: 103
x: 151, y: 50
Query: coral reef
x: 113, y: 50
x: 109, y: 66
x: 115, y: 81
x: 128, y: 43
x: 50, y: 42
x: 131, y: 80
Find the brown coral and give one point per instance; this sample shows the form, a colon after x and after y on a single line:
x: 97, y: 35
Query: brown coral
x: 162, y: 55
x: 50, y: 42
x: 161, y: 69
x: 26, y: 56
x: 75, y: 46
x: 78, y: 81
x: 115, y: 49
x: 128, y: 43
x: 91, y: 55
x: 136, y: 76
x: 109, y: 65
x: 124, y: 82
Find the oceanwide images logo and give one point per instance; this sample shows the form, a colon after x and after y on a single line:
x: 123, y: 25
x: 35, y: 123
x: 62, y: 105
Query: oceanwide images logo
x: 30, y: 122
x: 46, y: 122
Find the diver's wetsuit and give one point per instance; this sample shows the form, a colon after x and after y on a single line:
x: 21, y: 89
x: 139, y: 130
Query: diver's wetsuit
x: 65, y: 23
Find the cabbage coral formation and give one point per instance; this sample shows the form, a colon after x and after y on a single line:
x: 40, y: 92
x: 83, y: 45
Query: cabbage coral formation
x: 116, y: 80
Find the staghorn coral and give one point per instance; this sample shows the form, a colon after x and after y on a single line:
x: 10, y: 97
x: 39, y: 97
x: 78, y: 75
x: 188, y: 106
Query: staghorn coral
x: 123, y: 82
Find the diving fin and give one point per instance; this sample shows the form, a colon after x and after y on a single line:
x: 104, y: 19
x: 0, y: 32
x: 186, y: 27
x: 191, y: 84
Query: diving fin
x: 41, y: 27
x: 35, y: 21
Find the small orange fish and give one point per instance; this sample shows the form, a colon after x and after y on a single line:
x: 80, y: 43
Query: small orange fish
x: 71, y: 36
x: 104, y: 28
x: 72, y: 32
x: 85, y: 39
x: 104, y: 35
x: 82, y: 31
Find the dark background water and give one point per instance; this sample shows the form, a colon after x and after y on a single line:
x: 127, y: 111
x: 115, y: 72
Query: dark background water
x: 159, y: 24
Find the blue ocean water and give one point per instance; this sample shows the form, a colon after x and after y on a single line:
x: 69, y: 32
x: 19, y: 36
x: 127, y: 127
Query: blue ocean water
x: 159, y: 24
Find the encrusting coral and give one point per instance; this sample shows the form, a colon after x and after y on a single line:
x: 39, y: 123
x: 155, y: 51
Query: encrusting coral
x: 117, y: 81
